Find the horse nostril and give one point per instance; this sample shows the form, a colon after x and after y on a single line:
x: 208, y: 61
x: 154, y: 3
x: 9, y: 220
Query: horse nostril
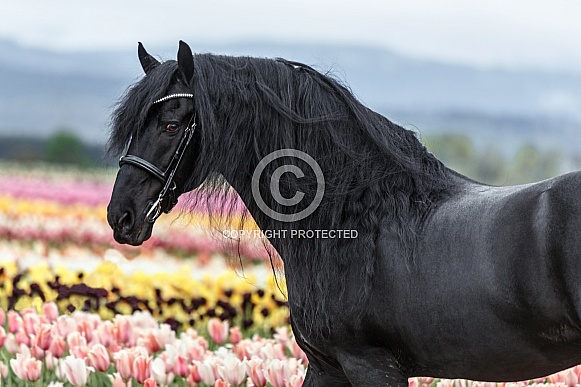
x: 126, y: 220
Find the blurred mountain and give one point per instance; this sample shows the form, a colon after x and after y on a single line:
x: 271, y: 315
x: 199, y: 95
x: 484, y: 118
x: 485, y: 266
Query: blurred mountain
x: 44, y: 91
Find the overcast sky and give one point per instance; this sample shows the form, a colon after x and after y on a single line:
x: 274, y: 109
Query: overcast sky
x: 530, y: 33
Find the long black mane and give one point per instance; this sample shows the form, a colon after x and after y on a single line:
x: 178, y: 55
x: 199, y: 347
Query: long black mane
x: 376, y: 172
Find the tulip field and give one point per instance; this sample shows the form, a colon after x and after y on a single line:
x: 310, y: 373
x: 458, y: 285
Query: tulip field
x: 184, y: 309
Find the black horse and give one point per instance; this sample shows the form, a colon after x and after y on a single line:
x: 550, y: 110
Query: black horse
x: 402, y: 267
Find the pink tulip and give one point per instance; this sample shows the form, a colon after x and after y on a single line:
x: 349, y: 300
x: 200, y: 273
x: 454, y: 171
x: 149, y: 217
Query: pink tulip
x: 255, y: 371
x: 180, y: 367
x: 17, y: 366
x: 11, y: 345
x: 77, y: 345
x: 195, y: 352
x: 43, y: 337
x: 571, y: 378
x: 150, y: 343
x: 123, y: 330
x: 57, y: 346
x: 66, y: 325
x: 232, y: 370
x: 277, y: 372
x: 26, y: 367
x: 99, y: 358
x: 218, y: 330
x: 282, y: 335
x: 221, y: 383
x: 3, y: 370
x: 296, y: 381
x: 75, y: 339
x: 33, y: 369
x: 104, y: 333
x: 141, y: 368
x: 15, y: 322
x: 158, y: 371
x: 124, y: 363
x: 194, y: 377
x: 50, y: 361
x: 31, y: 322
x: 50, y: 311
x: 117, y: 381
x: 296, y: 351
x: 75, y: 370
x: 86, y: 329
x: 163, y: 335
x: 2, y: 336
x: 206, y: 372
x: 235, y: 335
x: 149, y: 382
x: 22, y: 338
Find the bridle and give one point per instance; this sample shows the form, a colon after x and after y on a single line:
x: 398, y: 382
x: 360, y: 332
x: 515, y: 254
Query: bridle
x: 167, y: 176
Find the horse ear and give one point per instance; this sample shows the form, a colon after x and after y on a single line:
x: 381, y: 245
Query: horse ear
x: 186, y: 62
x: 148, y: 62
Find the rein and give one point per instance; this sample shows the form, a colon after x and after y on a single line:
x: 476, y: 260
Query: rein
x: 167, y: 176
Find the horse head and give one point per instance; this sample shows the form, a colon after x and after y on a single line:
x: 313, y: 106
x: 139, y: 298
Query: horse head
x: 157, y: 119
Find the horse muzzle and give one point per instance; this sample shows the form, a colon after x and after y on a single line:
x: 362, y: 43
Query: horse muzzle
x: 129, y: 228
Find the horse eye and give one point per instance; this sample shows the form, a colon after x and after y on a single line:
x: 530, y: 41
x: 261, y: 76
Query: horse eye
x: 172, y: 127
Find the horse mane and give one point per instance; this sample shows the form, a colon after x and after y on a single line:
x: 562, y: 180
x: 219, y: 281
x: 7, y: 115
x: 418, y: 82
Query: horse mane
x: 375, y: 171
x: 130, y: 113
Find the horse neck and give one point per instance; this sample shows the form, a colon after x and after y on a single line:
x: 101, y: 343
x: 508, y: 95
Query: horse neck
x: 318, y: 270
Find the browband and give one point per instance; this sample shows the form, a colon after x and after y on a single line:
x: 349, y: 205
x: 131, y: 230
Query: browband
x: 172, y: 96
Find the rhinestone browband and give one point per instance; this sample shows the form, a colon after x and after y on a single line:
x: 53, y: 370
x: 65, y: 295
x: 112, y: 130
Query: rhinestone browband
x: 172, y: 96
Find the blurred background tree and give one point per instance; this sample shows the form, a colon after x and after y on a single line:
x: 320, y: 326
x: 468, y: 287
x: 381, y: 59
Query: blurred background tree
x: 490, y: 165
x: 64, y: 147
